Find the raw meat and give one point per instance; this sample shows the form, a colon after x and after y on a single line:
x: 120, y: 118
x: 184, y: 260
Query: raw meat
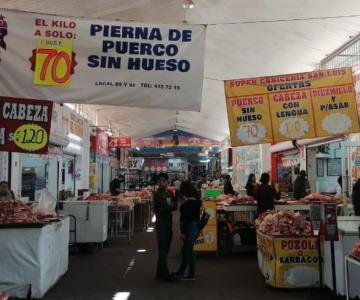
x: 283, y: 222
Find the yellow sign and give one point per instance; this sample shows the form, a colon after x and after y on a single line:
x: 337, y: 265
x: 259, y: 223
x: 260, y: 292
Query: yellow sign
x: 249, y: 119
x: 292, y: 115
x: 292, y: 106
x: 266, y: 257
x: 297, y: 262
x: 207, y: 241
x: 53, y: 62
x: 30, y: 137
x: 92, y: 176
x: 210, y: 208
x: 289, y: 262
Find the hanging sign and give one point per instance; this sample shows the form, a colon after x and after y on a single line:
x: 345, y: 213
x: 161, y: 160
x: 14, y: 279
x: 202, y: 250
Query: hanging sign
x: 120, y: 142
x: 92, y: 61
x: 24, y: 125
x: 290, y: 107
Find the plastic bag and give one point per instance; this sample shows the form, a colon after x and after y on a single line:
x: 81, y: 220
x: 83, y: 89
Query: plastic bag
x: 46, y: 205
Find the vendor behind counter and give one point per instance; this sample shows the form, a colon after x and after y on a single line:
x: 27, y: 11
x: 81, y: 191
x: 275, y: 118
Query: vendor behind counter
x: 5, y: 192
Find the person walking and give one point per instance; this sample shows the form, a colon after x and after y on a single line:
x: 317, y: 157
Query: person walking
x: 301, y: 185
x: 265, y: 194
x: 189, y: 226
x: 163, y: 206
x: 251, y: 185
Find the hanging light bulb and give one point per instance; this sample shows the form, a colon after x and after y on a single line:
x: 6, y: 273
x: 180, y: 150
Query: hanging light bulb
x: 188, y: 4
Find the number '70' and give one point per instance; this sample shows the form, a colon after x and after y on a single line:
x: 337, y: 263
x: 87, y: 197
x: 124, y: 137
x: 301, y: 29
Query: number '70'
x: 55, y: 56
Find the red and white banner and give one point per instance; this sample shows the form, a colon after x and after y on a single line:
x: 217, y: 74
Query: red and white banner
x: 24, y: 125
x: 120, y: 142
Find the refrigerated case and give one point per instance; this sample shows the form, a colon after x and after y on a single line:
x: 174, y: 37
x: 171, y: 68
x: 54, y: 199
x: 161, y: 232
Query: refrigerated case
x: 91, y: 220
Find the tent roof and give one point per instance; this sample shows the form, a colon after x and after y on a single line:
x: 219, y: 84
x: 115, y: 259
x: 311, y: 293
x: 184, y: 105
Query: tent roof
x: 245, y: 38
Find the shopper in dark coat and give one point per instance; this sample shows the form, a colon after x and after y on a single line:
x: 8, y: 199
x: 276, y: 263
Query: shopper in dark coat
x: 300, y: 185
x: 228, y: 188
x: 265, y: 194
x: 163, y: 206
x: 251, y: 185
x: 356, y: 197
x: 189, y: 226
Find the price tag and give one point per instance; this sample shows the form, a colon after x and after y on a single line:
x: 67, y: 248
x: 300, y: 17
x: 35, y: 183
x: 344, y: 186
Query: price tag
x: 294, y: 128
x: 30, y: 137
x: 53, y: 62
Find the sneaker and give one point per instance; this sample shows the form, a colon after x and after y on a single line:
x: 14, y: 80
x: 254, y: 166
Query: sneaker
x: 177, y: 274
x: 188, y: 278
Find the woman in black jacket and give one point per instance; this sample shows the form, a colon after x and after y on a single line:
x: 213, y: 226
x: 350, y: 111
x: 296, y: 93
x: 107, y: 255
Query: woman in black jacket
x: 251, y: 185
x: 189, y: 225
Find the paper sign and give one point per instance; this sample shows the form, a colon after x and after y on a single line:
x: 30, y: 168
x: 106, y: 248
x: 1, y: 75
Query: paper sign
x: 53, y: 62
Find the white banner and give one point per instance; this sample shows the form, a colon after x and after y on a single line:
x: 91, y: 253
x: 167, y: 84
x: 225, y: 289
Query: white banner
x: 101, y: 62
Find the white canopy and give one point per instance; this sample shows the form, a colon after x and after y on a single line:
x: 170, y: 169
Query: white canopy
x: 245, y: 38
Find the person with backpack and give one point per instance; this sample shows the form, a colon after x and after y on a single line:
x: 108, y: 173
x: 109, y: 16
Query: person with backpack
x: 190, y: 229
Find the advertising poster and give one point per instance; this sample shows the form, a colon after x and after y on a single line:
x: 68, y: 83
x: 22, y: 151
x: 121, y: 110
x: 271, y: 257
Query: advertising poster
x: 301, y: 105
x: 101, y: 62
x: 25, y: 125
x: 207, y: 241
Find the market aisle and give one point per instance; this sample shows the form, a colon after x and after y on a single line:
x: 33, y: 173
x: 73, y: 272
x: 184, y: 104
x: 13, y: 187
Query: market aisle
x: 105, y: 275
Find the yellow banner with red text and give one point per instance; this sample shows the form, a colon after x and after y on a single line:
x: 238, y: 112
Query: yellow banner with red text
x: 290, y: 107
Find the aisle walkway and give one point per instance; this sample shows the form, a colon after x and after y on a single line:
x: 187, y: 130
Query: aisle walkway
x: 122, y: 269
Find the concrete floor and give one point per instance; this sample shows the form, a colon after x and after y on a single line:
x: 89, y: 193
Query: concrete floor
x: 120, y: 271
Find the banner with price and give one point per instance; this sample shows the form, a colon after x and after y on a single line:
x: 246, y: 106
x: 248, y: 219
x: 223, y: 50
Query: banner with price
x: 291, y: 107
x: 104, y: 62
x: 25, y: 125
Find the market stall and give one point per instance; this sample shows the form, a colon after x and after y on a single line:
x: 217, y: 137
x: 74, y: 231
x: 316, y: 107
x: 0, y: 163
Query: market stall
x: 348, y: 228
x: 288, y: 253
x: 33, y: 250
x: 91, y: 219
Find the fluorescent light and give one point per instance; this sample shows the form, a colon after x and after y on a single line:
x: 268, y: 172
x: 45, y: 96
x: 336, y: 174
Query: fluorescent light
x: 73, y: 146
x: 175, y: 130
x: 121, y: 296
x: 188, y: 4
x: 141, y: 250
x: 74, y: 137
x: 205, y: 161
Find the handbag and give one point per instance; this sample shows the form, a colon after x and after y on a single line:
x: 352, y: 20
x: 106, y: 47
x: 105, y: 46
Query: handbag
x: 204, y: 219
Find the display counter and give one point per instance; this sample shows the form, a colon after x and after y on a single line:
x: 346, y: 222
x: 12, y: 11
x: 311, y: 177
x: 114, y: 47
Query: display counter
x: 348, y: 236
x: 91, y: 220
x: 35, y: 257
x: 289, y: 262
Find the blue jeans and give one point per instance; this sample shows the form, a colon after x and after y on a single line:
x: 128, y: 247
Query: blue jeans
x: 187, y: 249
